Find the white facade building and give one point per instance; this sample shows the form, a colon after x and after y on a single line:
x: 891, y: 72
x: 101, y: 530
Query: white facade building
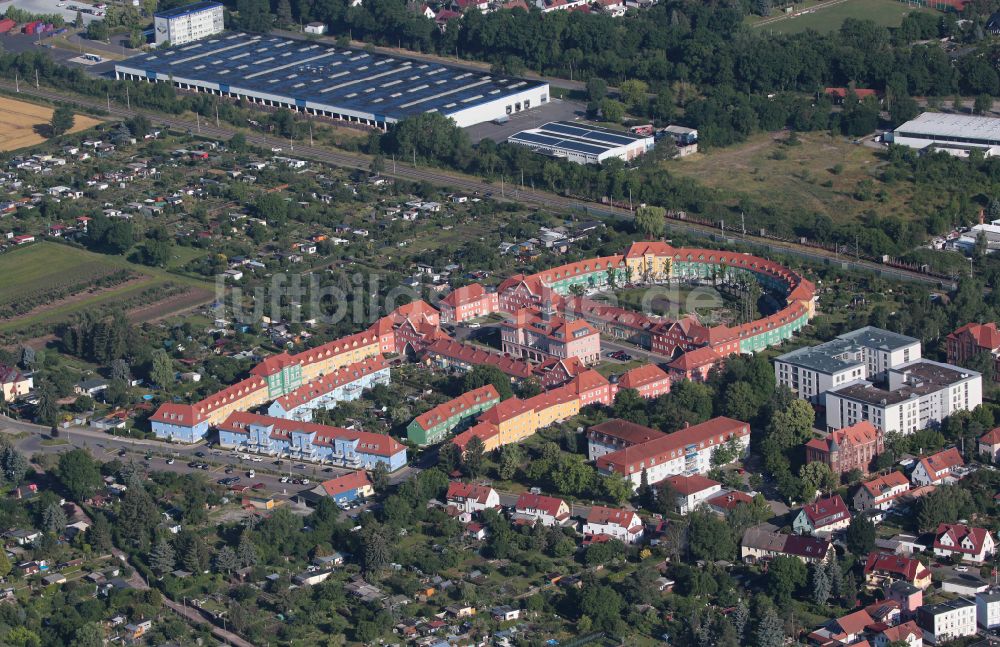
x: 188, y: 23
x: 864, y: 354
x: 947, y: 621
x: 988, y: 609
x: 920, y: 394
x: 582, y: 143
x: 623, y: 525
x: 936, y: 130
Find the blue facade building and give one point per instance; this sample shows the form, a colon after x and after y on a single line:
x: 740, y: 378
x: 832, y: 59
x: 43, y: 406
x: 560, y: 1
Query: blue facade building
x: 308, y: 441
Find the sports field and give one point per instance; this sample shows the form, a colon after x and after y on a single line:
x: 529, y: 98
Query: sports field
x: 829, y: 15
x: 45, y: 283
x: 24, y: 124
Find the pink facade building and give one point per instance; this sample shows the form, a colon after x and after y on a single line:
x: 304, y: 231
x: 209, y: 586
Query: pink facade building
x: 539, y: 335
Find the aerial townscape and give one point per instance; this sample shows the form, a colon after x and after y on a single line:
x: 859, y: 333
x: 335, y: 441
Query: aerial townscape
x: 500, y: 323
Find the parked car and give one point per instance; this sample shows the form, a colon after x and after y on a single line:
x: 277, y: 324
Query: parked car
x: 283, y: 479
x: 962, y: 569
x: 170, y: 461
x: 257, y: 486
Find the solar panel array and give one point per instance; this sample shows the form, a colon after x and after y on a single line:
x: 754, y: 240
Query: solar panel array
x: 304, y: 71
x: 579, y: 138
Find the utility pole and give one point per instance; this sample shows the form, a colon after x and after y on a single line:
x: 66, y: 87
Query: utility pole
x: 310, y: 134
x: 216, y: 115
x: 36, y: 78
x: 128, y: 102
x: 17, y: 84
x: 109, y: 101
x: 197, y: 117
x: 630, y: 199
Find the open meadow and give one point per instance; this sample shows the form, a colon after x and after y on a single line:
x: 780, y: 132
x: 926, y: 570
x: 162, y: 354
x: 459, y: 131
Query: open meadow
x: 46, y: 283
x: 24, y: 124
x: 819, y: 175
x: 829, y: 15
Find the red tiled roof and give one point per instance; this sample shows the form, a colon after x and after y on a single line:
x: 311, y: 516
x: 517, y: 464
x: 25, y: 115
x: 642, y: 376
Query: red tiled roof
x: 626, y: 431
x: 729, y: 500
x: 696, y: 358
x: 829, y: 510
x: 353, y: 481
x: 379, y: 444
x: 483, y: 430
x: 841, y: 93
x: 465, y: 294
x: 462, y: 491
x: 688, y: 485
x: 184, y: 415
x: 991, y: 437
x: 717, y: 430
x: 957, y: 533
x: 509, y: 408
x: 943, y: 461
x: 906, y: 568
x: 547, y: 504
x: 273, y: 364
x: 884, y: 483
x: 473, y: 355
x: 589, y: 380
x: 987, y: 336
x: 641, y: 376
x: 462, y: 403
x: 331, y: 381
x: 616, y: 516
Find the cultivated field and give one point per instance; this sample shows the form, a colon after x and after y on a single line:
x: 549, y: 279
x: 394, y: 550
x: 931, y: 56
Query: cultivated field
x: 24, y: 124
x: 46, y: 283
x: 829, y: 15
x: 820, y: 175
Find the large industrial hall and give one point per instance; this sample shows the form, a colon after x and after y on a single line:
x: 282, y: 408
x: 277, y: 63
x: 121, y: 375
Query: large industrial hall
x: 335, y: 82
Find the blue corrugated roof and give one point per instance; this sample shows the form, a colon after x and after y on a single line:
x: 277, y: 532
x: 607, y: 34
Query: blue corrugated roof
x: 319, y: 73
x: 186, y: 9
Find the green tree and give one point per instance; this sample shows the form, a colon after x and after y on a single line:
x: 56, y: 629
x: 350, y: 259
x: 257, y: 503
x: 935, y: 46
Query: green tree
x: 741, y: 401
x: 62, y: 120
x: 380, y: 477
x: 47, y: 409
x: 473, y: 461
x: 5, y: 565
x: 162, y: 371
x: 225, y: 560
x: 709, y: 537
x: 99, y: 534
x: 511, y: 460
x: 634, y: 94
x: 769, y: 631
x: 449, y: 457
x: 983, y: 104
x: 597, y: 89
x: 815, y: 477
x: 604, y: 606
x: 376, y: 550
x: 616, y: 488
x: 860, y: 535
x: 651, y: 221
x: 484, y: 374
x: 162, y: 559
x: 784, y: 576
x: 246, y: 551
x: 820, y: 581
x: 88, y: 635
x: 15, y: 465
x: 79, y: 474
x: 612, y: 111
x: 54, y: 519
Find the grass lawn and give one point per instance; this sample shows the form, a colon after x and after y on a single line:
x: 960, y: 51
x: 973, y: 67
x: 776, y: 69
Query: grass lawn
x: 42, y: 267
x: 829, y: 15
x: 820, y: 175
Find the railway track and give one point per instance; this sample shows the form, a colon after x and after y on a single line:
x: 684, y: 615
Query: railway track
x: 534, y: 197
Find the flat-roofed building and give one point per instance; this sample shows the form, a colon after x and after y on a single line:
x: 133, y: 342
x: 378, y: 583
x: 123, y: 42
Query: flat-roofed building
x: 582, y: 143
x: 918, y: 395
x: 948, y: 132
x: 326, y: 80
x: 864, y: 354
x: 190, y: 22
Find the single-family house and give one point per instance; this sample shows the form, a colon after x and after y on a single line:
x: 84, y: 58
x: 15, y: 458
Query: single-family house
x: 471, y: 498
x: 938, y: 468
x: 972, y: 544
x: 883, y: 568
x: 537, y: 508
x: 614, y: 523
x: 822, y: 518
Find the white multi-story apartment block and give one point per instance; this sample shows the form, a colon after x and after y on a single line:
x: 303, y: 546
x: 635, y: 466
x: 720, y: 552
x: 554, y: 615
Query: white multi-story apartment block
x: 188, y: 23
x: 947, y: 621
x: 919, y: 394
x: 685, y: 452
x: 865, y: 354
x: 988, y: 609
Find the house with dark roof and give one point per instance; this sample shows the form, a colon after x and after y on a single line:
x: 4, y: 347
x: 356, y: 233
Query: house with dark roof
x: 762, y: 545
x: 823, y: 517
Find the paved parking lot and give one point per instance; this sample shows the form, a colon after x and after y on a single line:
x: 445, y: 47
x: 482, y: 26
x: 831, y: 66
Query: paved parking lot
x: 554, y: 110
x: 52, y: 7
